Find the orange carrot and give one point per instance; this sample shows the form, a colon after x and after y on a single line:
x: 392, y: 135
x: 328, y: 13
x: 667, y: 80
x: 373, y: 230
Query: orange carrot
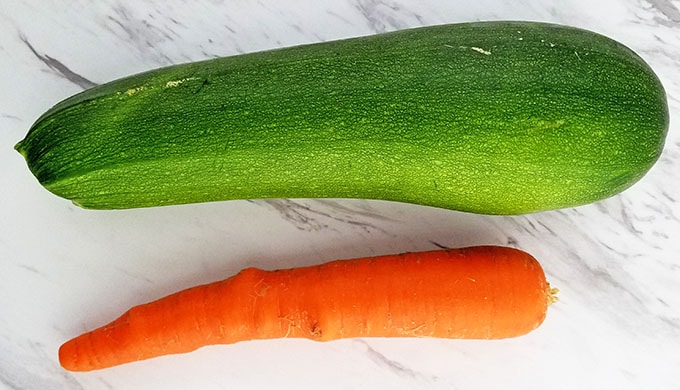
x: 485, y: 292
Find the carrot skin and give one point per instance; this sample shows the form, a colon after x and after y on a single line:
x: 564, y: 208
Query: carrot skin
x: 483, y: 292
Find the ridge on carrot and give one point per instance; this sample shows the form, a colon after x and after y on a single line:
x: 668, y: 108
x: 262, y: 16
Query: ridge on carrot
x: 483, y: 292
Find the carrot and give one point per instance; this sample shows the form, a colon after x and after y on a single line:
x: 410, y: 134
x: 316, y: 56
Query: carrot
x: 484, y: 292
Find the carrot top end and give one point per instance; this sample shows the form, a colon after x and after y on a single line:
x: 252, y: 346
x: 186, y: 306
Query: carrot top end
x: 551, y: 294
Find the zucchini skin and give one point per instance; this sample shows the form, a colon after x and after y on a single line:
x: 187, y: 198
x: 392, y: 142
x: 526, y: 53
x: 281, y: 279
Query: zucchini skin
x: 487, y: 117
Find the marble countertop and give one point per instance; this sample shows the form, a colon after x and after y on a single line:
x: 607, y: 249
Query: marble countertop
x: 64, y: 270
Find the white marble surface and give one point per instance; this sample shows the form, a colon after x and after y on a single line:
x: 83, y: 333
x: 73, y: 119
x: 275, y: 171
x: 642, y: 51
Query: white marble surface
x: 64, y: 270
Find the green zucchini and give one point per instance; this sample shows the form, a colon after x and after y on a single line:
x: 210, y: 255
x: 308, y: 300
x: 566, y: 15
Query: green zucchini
x: 488, y: 117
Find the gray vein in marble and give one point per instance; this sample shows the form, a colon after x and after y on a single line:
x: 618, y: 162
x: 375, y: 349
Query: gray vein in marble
x: 354, y: 210
x: 547, y: 228
x: 613, y: 250
x: 5, y: 381
x: 340, y: 17
x: 16, y: 372
x: 124, y: 271
x: 106, y: 384
x: 668, y: 196
x: 673, y: 323
x: 668, y: 10
x: 660, y: 207
x: 31, y: 269
x: 10, y: 116
x: 438, y: 245
x: 522, y: 227
x: 512, y: 241
x: 623, y: 217
x: 138, y: 29
x: 232, y: 30
x: 142, y: 34
x: 392, y: 365
x: 59, y: 67
x: 307, y: 218
x: 600, y: 275
x: 383, y: 15
x: 8, y: 380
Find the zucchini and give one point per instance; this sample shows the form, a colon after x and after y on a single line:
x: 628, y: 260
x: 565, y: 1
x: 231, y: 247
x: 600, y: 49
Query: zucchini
x: 488, y: 117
